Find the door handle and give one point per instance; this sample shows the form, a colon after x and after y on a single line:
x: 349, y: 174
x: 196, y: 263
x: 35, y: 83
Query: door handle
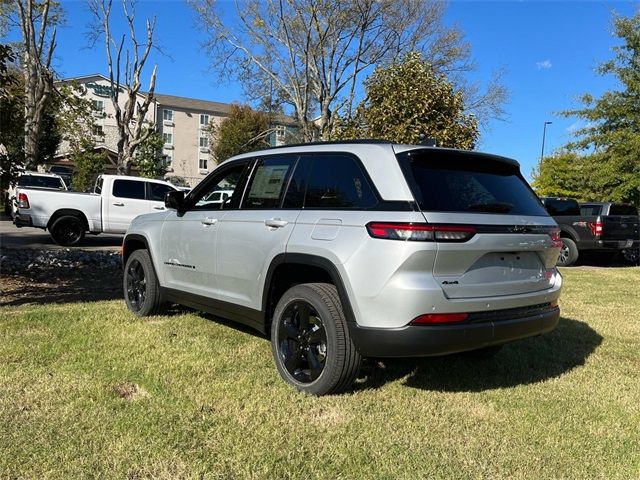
x: 209, y: 221
x: 118, y: 204
x: 276, y: 223
x: 158, y: 208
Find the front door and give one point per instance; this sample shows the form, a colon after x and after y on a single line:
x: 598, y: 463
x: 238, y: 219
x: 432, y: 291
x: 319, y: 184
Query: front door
x: 189, y: 239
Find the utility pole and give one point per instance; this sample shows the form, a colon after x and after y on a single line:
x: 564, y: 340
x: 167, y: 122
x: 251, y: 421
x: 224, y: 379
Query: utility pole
x: 544, y: 134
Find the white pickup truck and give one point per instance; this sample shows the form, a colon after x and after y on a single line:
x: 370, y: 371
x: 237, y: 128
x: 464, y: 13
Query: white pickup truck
x: 115, y: 201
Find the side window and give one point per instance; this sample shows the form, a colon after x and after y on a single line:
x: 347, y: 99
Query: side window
x: 157, y: 191
x: 268, y: 182
x: 337, y: 181
x: 623, y: 210
x: 222, y: 190
x: 590, y: 210
x: 298, y: 183
x: 128, y: 189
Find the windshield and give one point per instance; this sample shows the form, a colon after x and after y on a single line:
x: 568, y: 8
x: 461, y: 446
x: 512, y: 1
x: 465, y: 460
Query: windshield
x: 454, y: 181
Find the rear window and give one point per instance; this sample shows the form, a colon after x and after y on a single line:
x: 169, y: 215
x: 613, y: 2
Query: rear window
x: 623, y: 210
x: 559, y: 207
x: 590, y: 210
x: 40, y: 182
x: 449, y: 181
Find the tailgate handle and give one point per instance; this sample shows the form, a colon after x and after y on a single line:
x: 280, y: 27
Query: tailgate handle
x: 276, y: 223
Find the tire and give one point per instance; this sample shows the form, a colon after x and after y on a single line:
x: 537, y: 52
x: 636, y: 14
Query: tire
x: 568, y: 253
x: 67, y: 231
x: 141, y: 286
x: 631, y: 255
x: 316, y: 356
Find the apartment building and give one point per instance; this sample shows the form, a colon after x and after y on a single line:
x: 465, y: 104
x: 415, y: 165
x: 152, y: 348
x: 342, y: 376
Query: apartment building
x: 183, y: 123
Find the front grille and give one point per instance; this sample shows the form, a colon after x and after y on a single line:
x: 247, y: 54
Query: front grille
x: 509, y: 314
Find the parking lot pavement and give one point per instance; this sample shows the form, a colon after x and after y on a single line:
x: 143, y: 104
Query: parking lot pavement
x: 26, y: 237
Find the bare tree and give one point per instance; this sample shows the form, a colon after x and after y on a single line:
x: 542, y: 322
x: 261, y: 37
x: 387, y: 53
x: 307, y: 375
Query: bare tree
x: 125, y: 66
x: 37, y: 21
x: 315, y: 53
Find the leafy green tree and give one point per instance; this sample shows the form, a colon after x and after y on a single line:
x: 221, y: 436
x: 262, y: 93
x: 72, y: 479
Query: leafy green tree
x: 149, y: 158
x: 88, y: 164
x: 570, y: 174
x: 407, y: 101
x: 245, y: 130
x: 610, y: 140
x: 12, y: 120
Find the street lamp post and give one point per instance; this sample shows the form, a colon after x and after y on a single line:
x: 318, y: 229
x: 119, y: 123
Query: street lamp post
x: 544, y: 134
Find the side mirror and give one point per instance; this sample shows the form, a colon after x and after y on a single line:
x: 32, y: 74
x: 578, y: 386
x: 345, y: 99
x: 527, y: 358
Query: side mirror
x: 174, y: 199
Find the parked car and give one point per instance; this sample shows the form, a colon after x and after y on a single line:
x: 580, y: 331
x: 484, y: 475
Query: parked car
x: 345, y: 250
x: 605, y: 227
x: 115, y: 201
x: 65, y: 172
x: 47, y: 181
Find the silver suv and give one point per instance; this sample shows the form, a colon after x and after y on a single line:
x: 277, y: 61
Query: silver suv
x: 345, y: 250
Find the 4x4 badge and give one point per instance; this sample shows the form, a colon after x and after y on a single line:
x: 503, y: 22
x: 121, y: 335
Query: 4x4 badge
x: 518, y: 229
x: 454, y: 282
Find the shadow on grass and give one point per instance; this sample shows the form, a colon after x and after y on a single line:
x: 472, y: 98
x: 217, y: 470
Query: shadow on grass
x: 64, y: 285
x: 519, y: 363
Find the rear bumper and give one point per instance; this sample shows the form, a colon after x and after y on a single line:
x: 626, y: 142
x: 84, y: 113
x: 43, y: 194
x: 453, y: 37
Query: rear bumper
x: 618, y: 244
x: 433, y: 340
x: 21, y: 220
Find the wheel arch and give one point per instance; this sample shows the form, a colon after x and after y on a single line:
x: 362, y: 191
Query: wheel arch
x: 72, y: 212
x: 289, y: 269
x: 131, y: 243
x: 568, y: 232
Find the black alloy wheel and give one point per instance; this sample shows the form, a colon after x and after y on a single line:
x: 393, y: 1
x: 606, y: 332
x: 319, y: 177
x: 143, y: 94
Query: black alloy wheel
x: 302, y: 341
x: 67, y: 231
x: 310, y: 340
x: 136, y: 285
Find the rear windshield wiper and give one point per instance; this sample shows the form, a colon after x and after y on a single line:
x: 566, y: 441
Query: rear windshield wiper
x: 497, y: 207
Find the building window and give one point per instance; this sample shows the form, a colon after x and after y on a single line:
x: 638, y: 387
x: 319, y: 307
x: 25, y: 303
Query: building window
x: 281, y: 133
x: 204, y: 120
x: 167, y: 115
x: 98, y: 131
x: 168, y: 158
x: 168, y: 138
x: 204, y: 142
x: 98, y: 105
x: 203, y: 163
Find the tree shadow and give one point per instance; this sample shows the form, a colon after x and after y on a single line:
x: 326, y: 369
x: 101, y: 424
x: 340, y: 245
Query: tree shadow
x: 49, y: 285
x: 518, y: 363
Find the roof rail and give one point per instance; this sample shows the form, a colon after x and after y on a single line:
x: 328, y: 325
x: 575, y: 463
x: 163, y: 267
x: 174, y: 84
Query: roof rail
x: 373, y: 141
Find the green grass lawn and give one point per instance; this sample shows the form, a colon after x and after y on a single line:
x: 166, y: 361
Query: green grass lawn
x: 89, y: 390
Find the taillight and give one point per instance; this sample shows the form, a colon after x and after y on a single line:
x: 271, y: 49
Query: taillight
x: 432, y: 318
x: 596, y: 227
x: 420, y: 232
x: 23, y: 200
x: 555, y: 238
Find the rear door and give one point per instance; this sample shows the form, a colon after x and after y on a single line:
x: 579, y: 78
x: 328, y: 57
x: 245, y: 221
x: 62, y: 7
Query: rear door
x: 511, y: 252
x: 126, y: 200
x: 251, y: 236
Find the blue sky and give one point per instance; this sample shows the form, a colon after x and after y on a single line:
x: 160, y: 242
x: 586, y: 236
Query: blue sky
x: 549, y: 51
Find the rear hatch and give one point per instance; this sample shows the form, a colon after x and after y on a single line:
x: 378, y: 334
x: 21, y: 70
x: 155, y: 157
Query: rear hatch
x: 511, y: 250
x: 621, y: 224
